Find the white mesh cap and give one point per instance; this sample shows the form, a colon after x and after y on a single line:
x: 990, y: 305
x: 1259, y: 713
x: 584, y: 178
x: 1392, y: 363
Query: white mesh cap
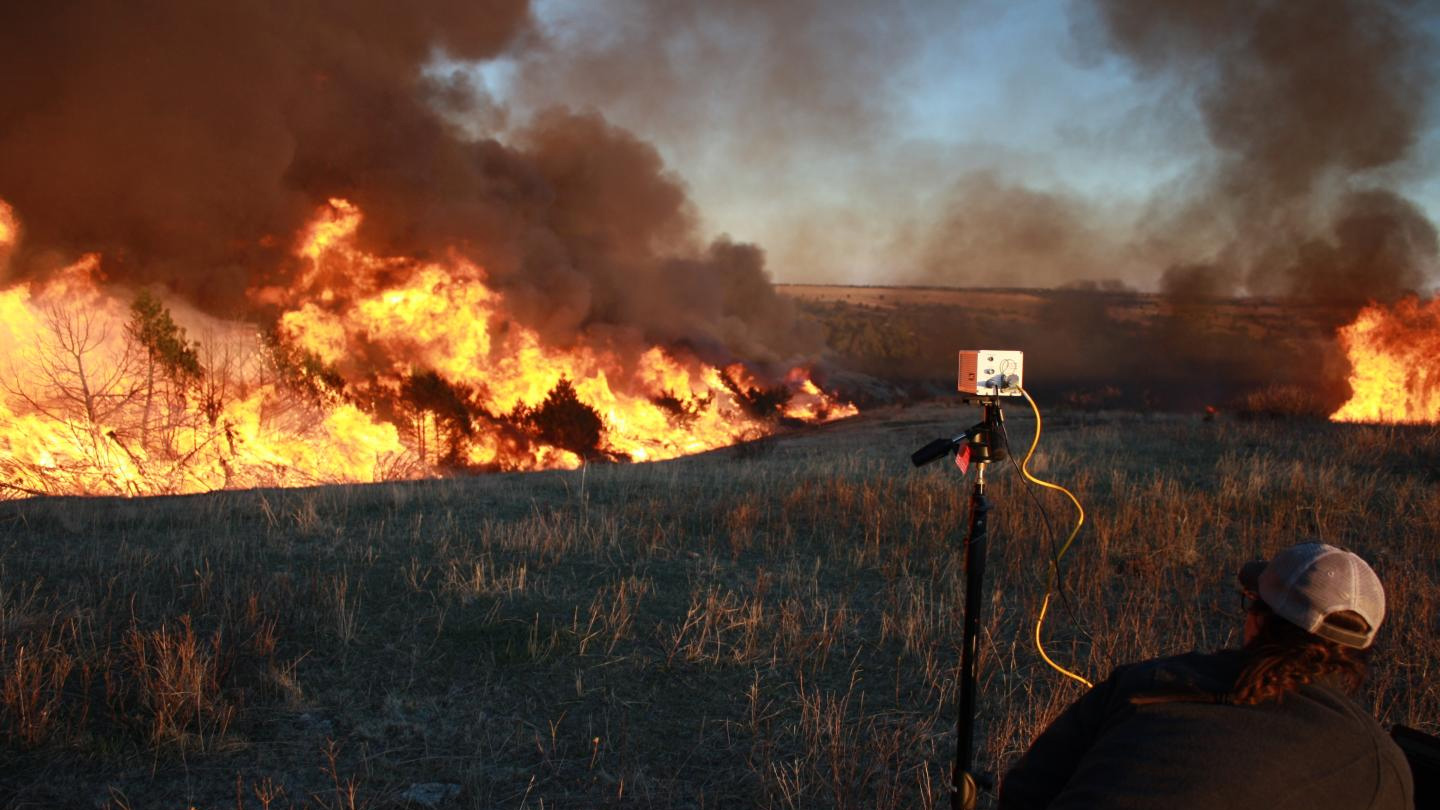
x: 1312, y: 585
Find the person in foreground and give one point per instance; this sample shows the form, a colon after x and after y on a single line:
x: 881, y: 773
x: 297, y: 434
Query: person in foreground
x: 1273, y: 725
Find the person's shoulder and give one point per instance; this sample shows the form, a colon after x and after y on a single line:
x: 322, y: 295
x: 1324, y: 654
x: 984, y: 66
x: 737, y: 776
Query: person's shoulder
x: 1342, y: 709
x: 1342, y: 723
x: 1210, y: 672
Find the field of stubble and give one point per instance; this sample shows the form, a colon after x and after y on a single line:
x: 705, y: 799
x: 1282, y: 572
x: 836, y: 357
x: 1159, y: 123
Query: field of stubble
x: 775, y: 625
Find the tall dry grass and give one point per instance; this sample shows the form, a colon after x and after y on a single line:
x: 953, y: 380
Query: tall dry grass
x: 775, y: 628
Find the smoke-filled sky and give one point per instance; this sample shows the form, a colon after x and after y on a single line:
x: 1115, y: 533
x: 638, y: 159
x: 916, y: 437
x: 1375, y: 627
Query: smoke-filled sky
x: 1218, y: 147
x: 619, y: 162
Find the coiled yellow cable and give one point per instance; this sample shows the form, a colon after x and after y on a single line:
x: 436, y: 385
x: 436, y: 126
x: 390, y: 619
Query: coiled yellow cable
x: 1054, y: 563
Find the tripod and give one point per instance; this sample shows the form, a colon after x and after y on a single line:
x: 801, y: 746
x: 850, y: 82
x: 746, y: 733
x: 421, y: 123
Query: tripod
x: 983, y: 444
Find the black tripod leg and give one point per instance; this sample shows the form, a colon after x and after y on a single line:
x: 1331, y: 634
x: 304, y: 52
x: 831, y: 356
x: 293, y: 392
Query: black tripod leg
x: 969, y: 650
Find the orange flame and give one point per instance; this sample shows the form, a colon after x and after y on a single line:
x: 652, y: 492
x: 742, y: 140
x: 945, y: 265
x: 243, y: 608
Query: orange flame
x: 8, y: 227
x: 1395, y: 364
x: 377, y: 368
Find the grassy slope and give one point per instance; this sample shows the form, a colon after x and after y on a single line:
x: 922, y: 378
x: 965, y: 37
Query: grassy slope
x: 774, y: 625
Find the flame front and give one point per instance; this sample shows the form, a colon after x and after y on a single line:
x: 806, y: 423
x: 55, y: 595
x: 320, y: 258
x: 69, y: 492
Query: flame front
x: 1394, y: 364
x: 376, y: 368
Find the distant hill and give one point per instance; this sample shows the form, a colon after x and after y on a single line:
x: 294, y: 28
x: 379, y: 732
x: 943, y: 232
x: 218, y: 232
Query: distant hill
x: 1088, y: 348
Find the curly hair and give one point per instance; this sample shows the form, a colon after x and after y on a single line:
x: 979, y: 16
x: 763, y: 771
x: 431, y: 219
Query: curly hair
x: 1283, y: 657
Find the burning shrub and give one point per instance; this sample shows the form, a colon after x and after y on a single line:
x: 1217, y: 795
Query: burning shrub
x: 766, y: 402
x: 681, y: 413
x: 564, y: 421
x: 445, y: 407
x: 169, y: 370
x: 302, y: 370
x: 163, y: 341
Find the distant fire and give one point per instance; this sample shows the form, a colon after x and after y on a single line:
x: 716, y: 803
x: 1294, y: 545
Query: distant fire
x: 376, y: 368
x: 1395, y: 364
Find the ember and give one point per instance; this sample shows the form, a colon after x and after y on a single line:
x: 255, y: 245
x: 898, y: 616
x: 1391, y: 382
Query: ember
x: 376, y: 368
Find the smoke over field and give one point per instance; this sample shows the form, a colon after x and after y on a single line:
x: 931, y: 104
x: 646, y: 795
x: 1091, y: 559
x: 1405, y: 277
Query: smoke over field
x: 1308, y: 107
x: 251, y: 245
x: 1096, y: 348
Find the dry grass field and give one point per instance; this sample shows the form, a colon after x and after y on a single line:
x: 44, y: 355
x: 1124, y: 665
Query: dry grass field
x: 773, y: 625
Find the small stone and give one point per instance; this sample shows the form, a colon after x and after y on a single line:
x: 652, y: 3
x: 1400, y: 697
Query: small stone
x: 318, y: 726
x: 430, y: 794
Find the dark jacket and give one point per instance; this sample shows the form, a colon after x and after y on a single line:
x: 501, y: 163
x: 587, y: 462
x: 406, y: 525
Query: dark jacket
x: 1156, y: 735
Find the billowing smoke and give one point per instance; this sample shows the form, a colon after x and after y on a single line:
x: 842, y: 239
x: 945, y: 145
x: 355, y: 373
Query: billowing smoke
x: 1293, y: 119
x: 1313, y: 108
x: 998, y: 233
x: 189, y: 142
x: 764, y: 79
x: 787, y: 111
x: 182, y: 140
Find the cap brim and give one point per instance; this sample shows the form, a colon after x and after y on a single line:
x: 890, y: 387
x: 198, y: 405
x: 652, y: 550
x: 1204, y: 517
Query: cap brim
x: 1249, y: 575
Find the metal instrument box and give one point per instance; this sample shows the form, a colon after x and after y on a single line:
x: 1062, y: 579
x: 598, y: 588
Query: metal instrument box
x: 992, y: 372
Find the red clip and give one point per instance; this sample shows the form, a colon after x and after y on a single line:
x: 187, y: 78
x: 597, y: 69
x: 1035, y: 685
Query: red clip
x: 962, y: 458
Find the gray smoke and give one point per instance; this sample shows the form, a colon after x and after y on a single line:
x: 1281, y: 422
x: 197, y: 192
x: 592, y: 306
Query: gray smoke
x: 992, y: 232
x: 1312, y: 107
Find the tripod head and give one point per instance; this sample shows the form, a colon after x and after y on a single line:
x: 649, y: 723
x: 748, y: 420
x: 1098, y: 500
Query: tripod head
x: 983, y: 443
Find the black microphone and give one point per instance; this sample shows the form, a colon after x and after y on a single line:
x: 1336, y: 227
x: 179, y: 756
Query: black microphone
x: 934, y: 451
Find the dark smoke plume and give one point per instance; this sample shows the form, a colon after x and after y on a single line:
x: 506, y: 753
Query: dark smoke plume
x: 1308, y: 104
x: 995, y: 233
x: 172, y: 137
x: 189, y: 141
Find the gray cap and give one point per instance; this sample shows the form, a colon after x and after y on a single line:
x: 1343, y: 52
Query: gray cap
x: 1313, y: 585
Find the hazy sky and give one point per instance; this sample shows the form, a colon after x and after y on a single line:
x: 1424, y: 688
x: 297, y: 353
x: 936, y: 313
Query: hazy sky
x: 851, y: 139
x: 1266, y: 147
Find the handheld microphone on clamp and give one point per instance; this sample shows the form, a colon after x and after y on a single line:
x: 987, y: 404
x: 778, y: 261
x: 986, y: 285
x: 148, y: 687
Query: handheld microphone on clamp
x: 936, y: 450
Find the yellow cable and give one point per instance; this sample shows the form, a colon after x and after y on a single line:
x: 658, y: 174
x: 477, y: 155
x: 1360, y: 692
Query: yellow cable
x: 1054, y: 563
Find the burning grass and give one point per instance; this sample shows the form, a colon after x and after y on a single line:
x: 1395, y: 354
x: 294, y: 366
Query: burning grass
x: 371, y: 368
x: 769, y: 629
x: 1394, y: 371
